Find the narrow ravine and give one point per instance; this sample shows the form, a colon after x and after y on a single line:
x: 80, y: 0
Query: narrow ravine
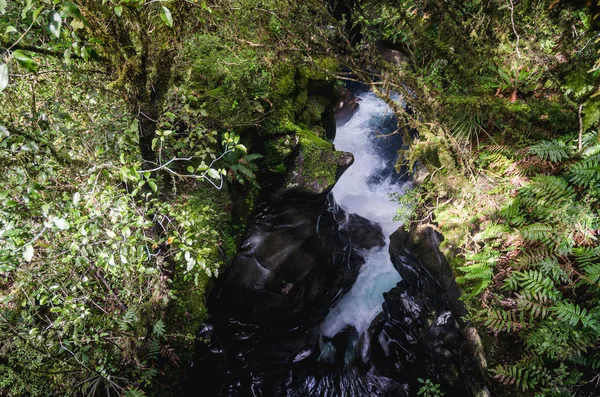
x: 365, y: 190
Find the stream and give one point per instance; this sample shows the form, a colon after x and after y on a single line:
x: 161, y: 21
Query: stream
x: 326, y: 297
x: 365, y: 189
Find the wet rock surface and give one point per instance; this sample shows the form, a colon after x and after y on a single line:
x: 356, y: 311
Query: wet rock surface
x: 418, y: 335
x: 263, y: 340
x: 296, y: 262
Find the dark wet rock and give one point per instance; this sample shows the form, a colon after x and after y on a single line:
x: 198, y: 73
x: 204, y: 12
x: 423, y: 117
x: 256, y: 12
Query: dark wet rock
x: 424, y: 243
x: 293, y: 264
x: 364, y: 233
x: 392, y: 55
x: 345, y: 108
x: 418, y: 335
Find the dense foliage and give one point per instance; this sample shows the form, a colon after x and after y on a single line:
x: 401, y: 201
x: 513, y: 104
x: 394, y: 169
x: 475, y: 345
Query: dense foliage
x: 504, y: 97
x: 125, y: 174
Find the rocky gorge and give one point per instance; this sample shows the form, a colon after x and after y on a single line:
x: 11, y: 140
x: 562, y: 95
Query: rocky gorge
x: 321, y: 301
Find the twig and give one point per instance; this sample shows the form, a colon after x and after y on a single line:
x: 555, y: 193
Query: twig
x: 512, y: 20
x: 580, y: 140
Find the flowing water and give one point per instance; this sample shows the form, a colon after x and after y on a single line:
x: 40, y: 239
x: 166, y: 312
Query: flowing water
x: 365, y: 190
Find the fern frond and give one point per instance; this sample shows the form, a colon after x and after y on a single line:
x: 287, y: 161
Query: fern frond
x: 532, y: 258
x: 548, y: 189
x: 585, y: 173
x: 537, y: 232
x: 502, y: 320
x: 555, y: 150
x: 574, y: 314
x: 535, y: 303
x: 536, y: 282
x: 153, y: 349
x: 523, y: 375
x: 159, y: 328
x: 513, y: 213
x: 587, y: 256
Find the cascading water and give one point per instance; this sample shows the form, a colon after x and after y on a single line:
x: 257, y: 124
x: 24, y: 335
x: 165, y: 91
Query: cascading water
x: 365, y: 190
x: 275, y: 328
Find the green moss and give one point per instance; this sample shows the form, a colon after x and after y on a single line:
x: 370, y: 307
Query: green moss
x: 321, y: 68
x: 285, y: 79
x: 317, y: 163
x: 277, y: 152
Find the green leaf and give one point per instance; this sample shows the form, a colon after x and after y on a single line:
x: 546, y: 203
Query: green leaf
x: 2, y: 7
x: 25, y: 60
x: 3, y: 76
x: 214, y: 174
x: 153, y: 186
x: 54, y: 23
x: 61, y: 223
x: 10, y: 29
x: 28, y: 253
x: 72, y: 10
x: 119, y: 11
x: 165, y: 15
x: 76, y: 198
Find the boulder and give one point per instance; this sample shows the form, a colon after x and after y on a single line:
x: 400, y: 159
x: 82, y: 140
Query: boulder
x: 316, y: 167
x: 418, y: 334
x: 364, y: 233
x: 266, y: 309
x: 345, y: 107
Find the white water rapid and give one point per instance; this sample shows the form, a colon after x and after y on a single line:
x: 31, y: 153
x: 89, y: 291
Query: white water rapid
x: 355, y: 194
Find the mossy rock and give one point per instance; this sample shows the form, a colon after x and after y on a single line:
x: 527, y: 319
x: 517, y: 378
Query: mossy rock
x: 317, y: 165
x: 278, y: 151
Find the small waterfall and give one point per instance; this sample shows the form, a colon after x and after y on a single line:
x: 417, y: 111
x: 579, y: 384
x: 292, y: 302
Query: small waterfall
x: 364, y: 189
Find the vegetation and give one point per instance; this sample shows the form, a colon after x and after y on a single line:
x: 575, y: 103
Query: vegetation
x: 503, y: 96
x: 134, y: 135
x: 124, y: 183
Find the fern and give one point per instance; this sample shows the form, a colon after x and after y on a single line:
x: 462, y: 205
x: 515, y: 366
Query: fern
x: 554, y: 338
x: 536, y: 282
x: 535, y: 303
x: 574, y: 314
x: 548, y: 189
x: 551, y: 267
x: 153, y: 349
x: 513, y: 213
x: 537, y: 232
x: 478, y: 272
x: 587, y: 256
x: 533, y: 257
x: 159, y: 328
x: 523, y: 375
x: 585, y: 173
x: 555, y: 150
x: 501, y: 320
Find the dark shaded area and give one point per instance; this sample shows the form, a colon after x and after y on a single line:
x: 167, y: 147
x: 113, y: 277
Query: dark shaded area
x: 296, y: 262
x: 418, y: 336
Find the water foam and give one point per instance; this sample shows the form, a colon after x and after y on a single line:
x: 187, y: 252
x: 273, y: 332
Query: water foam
x: 371, y: 200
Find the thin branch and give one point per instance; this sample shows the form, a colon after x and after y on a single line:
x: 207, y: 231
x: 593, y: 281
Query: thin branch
x: 512, y: 20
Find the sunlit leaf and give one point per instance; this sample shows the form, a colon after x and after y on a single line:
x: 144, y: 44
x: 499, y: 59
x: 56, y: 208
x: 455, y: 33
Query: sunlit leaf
x: 54, y: 23
x: 3, y: 76
x: 165, y: 15
x: 61, y: 223
x: 28, y: 253
x: 25, y: 60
